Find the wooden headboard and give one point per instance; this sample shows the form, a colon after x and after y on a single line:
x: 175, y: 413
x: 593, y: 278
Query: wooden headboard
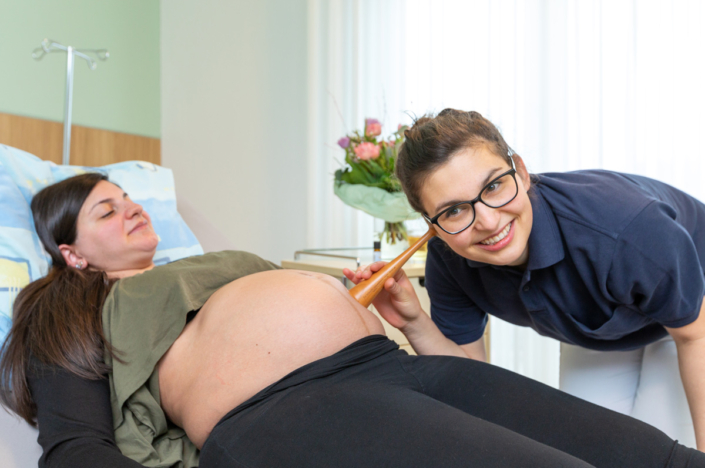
x: 89, y: 146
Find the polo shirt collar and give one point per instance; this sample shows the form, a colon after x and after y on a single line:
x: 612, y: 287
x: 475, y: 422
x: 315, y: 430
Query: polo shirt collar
x: 545, y: 243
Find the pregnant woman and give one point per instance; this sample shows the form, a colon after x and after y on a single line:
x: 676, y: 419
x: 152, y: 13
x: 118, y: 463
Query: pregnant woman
x: 124, y: 364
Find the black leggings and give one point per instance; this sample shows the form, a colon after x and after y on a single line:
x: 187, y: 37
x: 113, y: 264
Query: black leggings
x: 373, y: 405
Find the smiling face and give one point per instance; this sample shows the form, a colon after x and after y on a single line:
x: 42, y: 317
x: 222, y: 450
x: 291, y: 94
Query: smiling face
x: 114, y: 234
x: 498, y: 236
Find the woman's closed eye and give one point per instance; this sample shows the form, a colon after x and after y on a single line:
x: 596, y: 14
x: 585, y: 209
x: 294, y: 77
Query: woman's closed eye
x: 106, y: 215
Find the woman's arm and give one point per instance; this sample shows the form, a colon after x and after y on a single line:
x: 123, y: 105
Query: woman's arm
x: 75, y: 421
x: 690, y: 342
x: 425, y: 337
x: 398, y: 304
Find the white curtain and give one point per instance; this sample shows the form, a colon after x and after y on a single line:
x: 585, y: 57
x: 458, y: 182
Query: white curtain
x: 355, y: 72
x: 572, y: 84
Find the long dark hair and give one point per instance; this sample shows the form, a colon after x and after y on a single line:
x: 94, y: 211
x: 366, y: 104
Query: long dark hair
x: 56, y: 320
x: 432, y: 141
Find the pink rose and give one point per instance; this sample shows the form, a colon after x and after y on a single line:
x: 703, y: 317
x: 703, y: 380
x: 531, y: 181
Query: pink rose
x: 367, y: 150
x: 372, y: 127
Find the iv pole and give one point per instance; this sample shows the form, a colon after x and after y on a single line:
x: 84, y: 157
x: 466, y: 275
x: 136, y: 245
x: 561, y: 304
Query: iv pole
x: 48, y: 46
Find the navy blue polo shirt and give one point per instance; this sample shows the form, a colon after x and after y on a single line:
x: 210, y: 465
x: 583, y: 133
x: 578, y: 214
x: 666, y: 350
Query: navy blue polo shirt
x: 613, y: 258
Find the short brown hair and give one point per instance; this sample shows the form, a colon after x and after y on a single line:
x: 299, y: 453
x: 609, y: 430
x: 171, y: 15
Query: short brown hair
x: 432, y: 141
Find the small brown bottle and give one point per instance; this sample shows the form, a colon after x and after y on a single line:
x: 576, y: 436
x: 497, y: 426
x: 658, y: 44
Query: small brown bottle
x: 377, y: 254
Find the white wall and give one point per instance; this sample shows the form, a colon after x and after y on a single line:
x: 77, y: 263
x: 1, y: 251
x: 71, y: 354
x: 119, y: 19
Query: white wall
x: 234, y: 116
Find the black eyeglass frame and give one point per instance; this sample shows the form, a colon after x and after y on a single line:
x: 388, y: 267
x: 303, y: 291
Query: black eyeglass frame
x: 472, y: 202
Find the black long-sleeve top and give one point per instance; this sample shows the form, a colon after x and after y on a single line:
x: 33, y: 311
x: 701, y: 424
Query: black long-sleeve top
x: 75, y: 421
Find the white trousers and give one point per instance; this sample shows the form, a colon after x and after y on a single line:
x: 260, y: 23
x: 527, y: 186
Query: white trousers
x: 644, y: 383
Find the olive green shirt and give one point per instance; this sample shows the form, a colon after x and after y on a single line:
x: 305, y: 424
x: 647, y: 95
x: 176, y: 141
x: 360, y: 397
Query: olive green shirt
x: 142, y: 316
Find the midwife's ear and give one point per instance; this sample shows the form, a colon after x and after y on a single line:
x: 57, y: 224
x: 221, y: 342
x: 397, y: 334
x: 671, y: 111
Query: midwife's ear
x: 522, y: 171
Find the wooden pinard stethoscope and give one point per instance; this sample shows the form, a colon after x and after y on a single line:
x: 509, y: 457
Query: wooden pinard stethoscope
x: 366, y: 291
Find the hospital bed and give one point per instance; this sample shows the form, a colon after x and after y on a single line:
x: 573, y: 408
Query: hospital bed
x: 18, y: 441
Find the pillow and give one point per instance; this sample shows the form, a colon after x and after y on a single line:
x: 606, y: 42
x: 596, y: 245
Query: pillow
x: 22, y: 257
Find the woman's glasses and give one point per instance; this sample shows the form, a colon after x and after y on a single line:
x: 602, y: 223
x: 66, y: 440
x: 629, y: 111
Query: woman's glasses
x: 499, y: 192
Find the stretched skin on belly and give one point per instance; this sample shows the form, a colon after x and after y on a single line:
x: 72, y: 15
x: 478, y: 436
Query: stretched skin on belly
x: 251, y: 333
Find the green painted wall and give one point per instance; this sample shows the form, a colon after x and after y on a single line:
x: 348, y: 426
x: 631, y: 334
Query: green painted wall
x: 122, y: 94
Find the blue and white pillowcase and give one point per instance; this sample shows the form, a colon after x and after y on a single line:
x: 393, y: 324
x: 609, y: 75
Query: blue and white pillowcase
x: 22, y: 257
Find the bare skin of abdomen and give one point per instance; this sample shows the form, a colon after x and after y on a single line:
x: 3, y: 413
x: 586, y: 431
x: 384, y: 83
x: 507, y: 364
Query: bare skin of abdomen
x: 251, y: 333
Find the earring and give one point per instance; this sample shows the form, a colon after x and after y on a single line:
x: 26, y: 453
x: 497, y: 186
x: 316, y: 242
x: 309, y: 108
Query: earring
x: 79, y: 265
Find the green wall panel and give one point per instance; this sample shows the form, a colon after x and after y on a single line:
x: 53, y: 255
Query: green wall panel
x: 122, y: 94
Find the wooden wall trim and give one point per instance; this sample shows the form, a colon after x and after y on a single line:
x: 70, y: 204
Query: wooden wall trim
x: 89, y: 146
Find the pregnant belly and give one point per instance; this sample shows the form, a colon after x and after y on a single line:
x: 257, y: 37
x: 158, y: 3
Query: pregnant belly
x: 251, y: 333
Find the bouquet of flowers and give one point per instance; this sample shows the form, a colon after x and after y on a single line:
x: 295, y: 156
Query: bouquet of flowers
x: 367, y: 181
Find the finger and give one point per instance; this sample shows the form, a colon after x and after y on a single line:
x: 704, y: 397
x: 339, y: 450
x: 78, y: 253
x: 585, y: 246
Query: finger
x: 362, y: 271
x: 349, y: 274
x: 366, y: 273
x: 393, y: 288
x: 376, y: 266
x: 355, y: 276
x: 400, y: 275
